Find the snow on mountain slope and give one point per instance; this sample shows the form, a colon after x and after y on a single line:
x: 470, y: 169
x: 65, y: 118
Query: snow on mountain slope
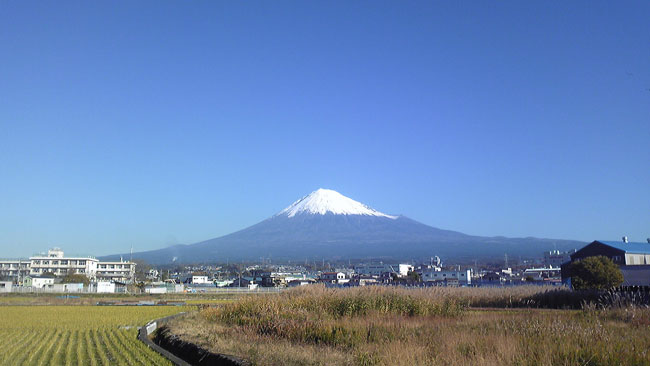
x: 323, y: 201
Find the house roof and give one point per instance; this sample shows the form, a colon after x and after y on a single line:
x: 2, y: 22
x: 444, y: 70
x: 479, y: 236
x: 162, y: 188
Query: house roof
x: 630, y: 247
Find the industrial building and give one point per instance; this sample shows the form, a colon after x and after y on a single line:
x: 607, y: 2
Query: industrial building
x: 448, y: 278
x: 633, y: 258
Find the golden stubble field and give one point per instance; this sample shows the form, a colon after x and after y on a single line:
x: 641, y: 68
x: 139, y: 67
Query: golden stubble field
x: 78, y: 335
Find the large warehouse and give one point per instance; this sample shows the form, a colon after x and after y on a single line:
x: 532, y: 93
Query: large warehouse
x: 633, y: 258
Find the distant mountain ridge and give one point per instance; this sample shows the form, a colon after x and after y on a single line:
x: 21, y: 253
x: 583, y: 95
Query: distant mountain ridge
x: 326, y: 224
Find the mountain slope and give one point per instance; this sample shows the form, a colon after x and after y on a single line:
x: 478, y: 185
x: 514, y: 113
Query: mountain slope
x: 326, y: 224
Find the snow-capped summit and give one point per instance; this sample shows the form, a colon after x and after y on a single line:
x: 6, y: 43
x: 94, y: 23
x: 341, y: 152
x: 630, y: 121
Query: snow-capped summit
x: 323, y: 201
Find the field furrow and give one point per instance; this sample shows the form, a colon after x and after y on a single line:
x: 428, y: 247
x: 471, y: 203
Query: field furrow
x: 48, y: 351
x: 12, y: 343
x: 100, y: 348
x: 70, y: 349
x: 21, y: 350
x: 40, y: 344
x: 88, y: 351
x: 118, y: 355
x: 77, y: 335
x: 58, y: 356
x: 120, y: 337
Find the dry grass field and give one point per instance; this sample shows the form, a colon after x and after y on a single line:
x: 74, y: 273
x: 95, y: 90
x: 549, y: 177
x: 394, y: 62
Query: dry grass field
x: 434, y: 326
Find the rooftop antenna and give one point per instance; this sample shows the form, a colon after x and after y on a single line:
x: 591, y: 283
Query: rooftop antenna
x: 648, y: 240
x: 625, y: 239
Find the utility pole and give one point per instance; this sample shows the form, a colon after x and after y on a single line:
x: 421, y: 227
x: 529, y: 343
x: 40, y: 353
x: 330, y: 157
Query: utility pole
x: 239, y: 267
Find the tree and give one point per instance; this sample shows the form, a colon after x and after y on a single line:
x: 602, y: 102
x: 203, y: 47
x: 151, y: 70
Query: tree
x: 414, y: 277
x: 599, y: 273
x: 73, y: 277
x: 141, y: 269
x: 530, y: 279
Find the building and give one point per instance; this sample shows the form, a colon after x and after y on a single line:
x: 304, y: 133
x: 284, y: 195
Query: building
x: 5, y: 286
x: 68, y: 287
x: 493, y: 278
x: 116, y: 271
x: 105, y: 287
x: 38, y: 282
x: 449, y: 278
x: 547, y: 275
x: 55, y: 262
x: 296, y: 283
x: 278, y: 279
x: 14, y: 269
x: 633, y: 258
x: 200, y: 280
x: 333, y: 277
x: 402, y: 270
x: 555, y: 258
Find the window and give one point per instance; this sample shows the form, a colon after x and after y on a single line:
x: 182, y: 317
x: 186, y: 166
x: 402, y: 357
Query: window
x: 64, y: 263
x: 82, y: 263
x: 55, y: 263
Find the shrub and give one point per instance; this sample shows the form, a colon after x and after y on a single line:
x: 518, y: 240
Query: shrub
x: 599, y: 273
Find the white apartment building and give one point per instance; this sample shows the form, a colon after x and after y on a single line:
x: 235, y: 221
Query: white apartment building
x: 15, y: 269
x: 55, y: 262
x: 116, y: 271
x: 377, y: 269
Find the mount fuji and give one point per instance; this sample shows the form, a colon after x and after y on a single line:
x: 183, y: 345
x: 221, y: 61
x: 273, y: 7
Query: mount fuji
x: 327, y: 224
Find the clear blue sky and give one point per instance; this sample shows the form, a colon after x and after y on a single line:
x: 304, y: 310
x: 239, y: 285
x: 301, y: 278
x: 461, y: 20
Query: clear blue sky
x: 149, y: 123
